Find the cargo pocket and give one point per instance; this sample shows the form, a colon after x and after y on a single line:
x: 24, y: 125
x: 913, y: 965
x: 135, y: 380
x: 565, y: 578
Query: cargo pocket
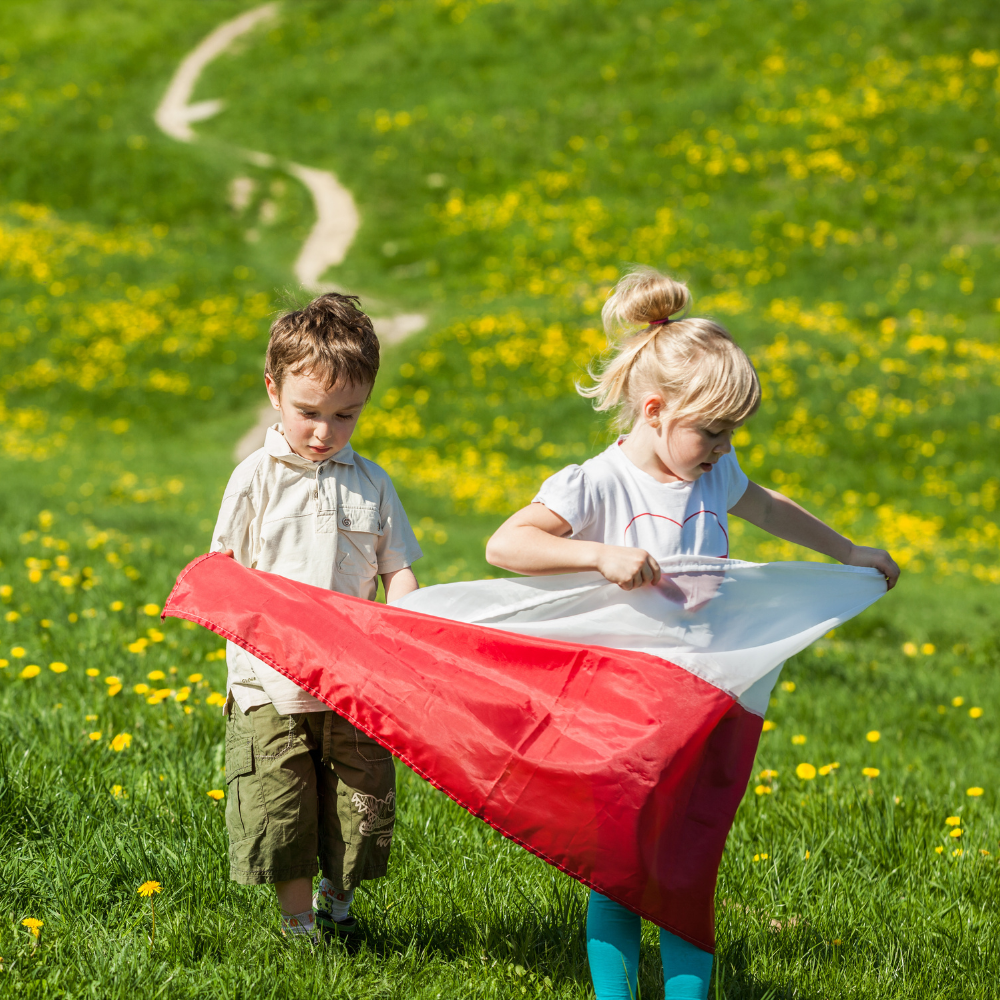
x: 246, y: 814
x: 368, y: 750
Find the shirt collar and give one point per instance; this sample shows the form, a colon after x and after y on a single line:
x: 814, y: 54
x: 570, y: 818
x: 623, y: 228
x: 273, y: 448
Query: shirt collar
x: 277, y: 447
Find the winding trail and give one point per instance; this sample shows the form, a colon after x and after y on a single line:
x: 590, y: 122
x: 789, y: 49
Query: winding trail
x: 337, y: 218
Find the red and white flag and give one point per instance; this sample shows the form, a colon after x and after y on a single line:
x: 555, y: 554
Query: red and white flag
x: 611, y: 733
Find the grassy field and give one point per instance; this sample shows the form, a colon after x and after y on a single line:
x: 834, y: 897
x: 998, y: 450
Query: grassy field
x: 825, y: 174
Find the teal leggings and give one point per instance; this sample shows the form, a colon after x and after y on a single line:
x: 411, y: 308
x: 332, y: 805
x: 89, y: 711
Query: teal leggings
x: 613, y: 950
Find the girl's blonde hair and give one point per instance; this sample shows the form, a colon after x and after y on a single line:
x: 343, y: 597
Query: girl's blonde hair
x: 692, y: 362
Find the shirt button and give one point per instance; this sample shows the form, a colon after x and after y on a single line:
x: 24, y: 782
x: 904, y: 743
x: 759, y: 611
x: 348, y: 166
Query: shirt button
x: 346, y: 522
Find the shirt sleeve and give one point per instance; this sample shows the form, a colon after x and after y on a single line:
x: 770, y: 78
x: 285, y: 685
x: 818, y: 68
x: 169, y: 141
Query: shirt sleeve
x: 397, y: 546
x: 736, y: 480
x: 232, y: 529
x: 569, y: 494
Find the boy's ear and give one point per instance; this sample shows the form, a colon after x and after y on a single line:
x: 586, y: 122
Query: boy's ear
x: 272, y: 391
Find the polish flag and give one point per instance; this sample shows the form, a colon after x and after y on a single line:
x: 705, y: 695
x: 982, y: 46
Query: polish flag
x: 610, y: 732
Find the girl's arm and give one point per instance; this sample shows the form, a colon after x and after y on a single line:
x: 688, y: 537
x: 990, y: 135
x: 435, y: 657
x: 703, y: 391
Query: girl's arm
x: 784, y: 518
x: 533, y: 542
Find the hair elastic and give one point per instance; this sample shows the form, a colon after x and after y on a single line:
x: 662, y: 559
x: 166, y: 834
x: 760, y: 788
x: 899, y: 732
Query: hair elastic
x: 661, y: 322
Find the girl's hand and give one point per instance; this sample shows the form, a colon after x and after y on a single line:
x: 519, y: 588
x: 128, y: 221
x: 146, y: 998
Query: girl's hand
x: 626, y: 566
x: 863, y: 555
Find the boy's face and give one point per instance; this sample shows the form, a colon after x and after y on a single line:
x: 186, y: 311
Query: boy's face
x: 318, y: 420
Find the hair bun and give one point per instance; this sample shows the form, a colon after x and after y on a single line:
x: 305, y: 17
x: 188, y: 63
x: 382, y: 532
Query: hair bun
x: 643, y: 296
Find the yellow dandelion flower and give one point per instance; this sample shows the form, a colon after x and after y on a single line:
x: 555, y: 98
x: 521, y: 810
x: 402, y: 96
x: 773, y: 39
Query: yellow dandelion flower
x: 216, y: 793
x: 808, y: 855
x: 95, y: 735
x: 116, y: 605
x: 155, y: 635
x: 766, y: 728
x: 139, y: 646
x: 58, y: 667
x: 953, y: 821
x: 975, y: 791
x: 183, y: 694
x: 805, y: 771
x: 114, y: 689
x: 121, y: 742
x: 17, y: 651
x: 111, y: 679
x: 34, y: 925
x: 873, y: 736
x: 148, y: 889
x: 958, y: 702
x: 768, y: 773
x: 194, y: 678
x: 798, y: 739
x: 939, y: 849
x: 928, y: 648
x: 910, y: 648
x: 92, y: 671
x: 975, y: 712
x: 4, y: 663
x: 788, y: 686
x: 140, y: 688
x: 31, y: 670
x: 90, y: 718
x: 762, y: 789
x: 151, y: 609
x: 984, y: 853
x: 11, y: 616
x: 870, y: 772
x: 828, y: 768
x: 215, y: 699
x: 957, y: 853
x: 957, y: 832
x: 156, y: 675
x: 118, y: 792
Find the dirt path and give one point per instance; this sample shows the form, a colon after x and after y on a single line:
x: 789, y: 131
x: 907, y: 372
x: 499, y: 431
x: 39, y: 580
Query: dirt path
x: 337, y: 218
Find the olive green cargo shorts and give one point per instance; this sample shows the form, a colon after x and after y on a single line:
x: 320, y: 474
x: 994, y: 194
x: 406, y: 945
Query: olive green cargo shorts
x: 305, y: 786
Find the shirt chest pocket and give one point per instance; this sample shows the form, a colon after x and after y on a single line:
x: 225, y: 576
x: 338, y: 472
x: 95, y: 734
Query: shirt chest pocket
x: 358, y: 529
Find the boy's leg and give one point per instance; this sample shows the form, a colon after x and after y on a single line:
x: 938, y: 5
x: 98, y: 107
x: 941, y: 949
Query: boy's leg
x: 357, y: 806
x: 612, y: 948
x: 686, y: 969
x: 271, y: 806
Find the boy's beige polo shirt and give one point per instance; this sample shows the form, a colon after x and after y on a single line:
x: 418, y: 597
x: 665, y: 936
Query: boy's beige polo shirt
x: 336, y: 524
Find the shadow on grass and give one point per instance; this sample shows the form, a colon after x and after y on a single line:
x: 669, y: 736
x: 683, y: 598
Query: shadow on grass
x: 733, y: 979
x: 546, y: 942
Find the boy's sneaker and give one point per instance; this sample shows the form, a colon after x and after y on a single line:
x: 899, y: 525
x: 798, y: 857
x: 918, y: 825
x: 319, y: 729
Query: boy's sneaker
x: 327, y: 924
x: 332, y: 909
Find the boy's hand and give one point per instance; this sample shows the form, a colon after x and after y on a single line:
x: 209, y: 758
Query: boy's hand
x: 230, y: 553
x: 627, y: 567
x: 863, y: 555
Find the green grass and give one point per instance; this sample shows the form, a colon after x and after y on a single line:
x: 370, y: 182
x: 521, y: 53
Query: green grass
x: 824, y: 174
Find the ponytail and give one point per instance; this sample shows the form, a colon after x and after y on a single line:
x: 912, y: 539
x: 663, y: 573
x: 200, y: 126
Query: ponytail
x: 693, y: 363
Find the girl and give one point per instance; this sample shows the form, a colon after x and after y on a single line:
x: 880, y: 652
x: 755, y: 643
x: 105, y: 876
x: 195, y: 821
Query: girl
x: 682, y: 386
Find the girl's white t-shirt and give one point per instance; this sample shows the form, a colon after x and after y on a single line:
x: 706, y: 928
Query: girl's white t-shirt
x: 610, y: 500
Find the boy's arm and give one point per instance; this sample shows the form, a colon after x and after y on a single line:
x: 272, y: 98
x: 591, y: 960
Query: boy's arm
x: 784, y: 518
x: 398, y: 584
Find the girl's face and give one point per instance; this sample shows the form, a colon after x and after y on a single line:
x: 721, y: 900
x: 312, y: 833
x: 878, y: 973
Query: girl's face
x: 676, y: 449
x: 318, y: 420
x: 689, y: 447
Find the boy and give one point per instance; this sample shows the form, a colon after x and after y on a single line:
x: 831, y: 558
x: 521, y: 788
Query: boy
x: 301, y: 780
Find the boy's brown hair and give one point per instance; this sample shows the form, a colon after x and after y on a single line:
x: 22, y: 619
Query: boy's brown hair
x: 330, y: 338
